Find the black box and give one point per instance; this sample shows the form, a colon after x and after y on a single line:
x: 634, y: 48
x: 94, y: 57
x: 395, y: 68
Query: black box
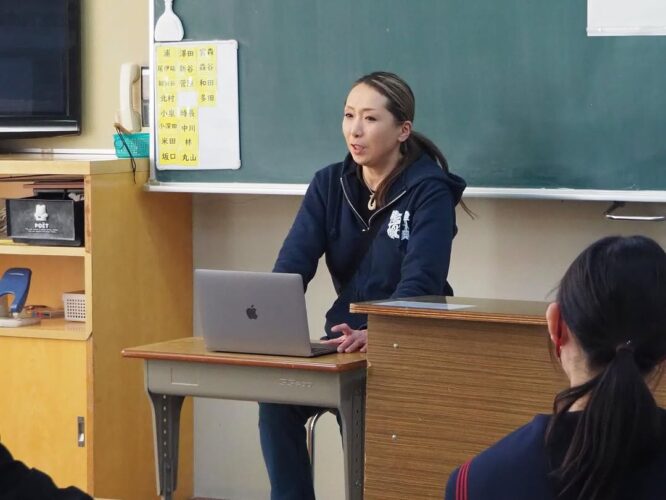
x: 47, y: 219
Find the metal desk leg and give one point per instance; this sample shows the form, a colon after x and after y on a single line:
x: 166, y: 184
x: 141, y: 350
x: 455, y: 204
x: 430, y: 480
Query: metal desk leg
x: 166, y: 410
x: 352, y: 415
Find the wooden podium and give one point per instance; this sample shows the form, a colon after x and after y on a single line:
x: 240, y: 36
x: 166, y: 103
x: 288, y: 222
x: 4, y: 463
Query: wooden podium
x: 444, y: 384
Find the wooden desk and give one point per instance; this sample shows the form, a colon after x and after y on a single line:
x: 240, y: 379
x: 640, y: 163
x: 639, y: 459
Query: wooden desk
x: 183, y: 367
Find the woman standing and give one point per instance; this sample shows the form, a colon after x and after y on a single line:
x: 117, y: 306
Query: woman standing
x: 385, y: 219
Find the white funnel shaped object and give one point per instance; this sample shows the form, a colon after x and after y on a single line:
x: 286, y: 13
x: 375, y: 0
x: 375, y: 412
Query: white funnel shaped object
x: 168, y: 27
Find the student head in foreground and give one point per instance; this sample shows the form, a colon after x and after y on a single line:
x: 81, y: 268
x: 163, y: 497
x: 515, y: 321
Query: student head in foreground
x: 384, y: 218
x: 606, y: 439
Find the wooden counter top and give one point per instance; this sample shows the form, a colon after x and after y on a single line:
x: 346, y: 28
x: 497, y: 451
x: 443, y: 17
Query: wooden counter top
x: 484, y: 310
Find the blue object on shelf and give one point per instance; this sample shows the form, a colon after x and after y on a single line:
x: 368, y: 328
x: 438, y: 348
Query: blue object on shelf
x: 138, y: 144
x: 16, y: 282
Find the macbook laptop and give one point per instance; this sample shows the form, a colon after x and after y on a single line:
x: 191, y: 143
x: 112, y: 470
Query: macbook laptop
x: 260, y: 313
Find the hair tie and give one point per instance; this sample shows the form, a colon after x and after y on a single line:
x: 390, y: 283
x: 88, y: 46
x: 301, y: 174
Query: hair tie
x: 628, y: 346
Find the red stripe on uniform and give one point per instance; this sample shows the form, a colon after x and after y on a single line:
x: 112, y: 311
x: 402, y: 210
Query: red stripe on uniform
x: 461, y: 482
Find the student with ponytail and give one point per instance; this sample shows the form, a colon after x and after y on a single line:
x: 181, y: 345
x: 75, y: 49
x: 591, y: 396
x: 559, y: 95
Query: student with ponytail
x: 606, y: 439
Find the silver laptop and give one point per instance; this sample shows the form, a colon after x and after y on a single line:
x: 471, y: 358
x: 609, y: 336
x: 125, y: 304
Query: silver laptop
x: 261, y: 313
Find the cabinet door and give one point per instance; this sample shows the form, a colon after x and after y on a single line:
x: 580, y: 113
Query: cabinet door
x: 43, y: 392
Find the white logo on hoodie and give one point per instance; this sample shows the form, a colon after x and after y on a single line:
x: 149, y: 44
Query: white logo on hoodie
x: 395, y: 221
x: 393, y: 229
x: 405, y: 226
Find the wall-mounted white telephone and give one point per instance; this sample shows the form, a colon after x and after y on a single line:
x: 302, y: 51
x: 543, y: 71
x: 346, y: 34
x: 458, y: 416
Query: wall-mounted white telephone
x: 130, y: 97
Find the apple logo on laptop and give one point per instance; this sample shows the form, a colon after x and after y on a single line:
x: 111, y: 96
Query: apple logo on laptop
x: 251, y: 312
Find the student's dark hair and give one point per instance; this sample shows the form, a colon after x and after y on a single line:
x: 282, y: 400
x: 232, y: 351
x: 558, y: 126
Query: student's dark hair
x: 613, y: 299
x: 401, y: 104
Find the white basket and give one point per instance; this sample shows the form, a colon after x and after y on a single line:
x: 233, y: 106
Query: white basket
x: 75, y: 305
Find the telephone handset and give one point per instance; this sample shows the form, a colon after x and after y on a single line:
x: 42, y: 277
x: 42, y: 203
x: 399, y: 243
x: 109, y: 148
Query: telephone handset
x: 127, y: 116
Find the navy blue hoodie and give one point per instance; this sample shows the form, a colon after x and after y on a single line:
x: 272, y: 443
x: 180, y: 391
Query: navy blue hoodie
x: 410, y: 252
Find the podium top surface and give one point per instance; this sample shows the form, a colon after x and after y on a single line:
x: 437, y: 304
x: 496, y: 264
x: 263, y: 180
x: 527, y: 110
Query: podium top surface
x: 458, y: 308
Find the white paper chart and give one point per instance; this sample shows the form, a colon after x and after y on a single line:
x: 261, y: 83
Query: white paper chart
x: 196, y: 105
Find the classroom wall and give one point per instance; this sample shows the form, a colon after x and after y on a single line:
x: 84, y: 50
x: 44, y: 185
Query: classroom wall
x: 514, y: 249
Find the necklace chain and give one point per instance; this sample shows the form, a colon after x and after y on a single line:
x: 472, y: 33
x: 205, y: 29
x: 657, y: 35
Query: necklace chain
x: 372, y: 203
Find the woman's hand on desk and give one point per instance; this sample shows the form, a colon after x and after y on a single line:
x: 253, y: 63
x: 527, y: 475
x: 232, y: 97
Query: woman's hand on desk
x: 350, y: 340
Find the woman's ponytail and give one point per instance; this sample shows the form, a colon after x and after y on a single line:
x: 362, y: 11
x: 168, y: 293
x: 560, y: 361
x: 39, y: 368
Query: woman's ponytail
x: 621, y: 422
x: 412, y: 149
x: 421, y: 144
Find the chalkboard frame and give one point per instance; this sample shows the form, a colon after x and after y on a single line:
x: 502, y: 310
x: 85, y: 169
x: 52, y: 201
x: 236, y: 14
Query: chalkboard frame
x: 294, y: 188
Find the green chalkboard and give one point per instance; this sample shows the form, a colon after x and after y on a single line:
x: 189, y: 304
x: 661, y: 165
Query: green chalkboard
x: 513, y: 91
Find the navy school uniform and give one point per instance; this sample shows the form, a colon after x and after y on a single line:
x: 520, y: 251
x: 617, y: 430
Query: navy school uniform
x: 517, y: 467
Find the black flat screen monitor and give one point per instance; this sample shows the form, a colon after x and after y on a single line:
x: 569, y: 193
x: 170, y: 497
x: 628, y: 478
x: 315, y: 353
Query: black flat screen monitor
x: 40, y: 68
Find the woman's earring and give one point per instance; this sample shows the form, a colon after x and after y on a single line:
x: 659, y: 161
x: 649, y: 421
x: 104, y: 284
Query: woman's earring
x: 558, y: 342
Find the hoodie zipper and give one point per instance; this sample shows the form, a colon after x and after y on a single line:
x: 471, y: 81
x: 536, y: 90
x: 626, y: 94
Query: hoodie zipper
x: 386, y: 206
x: 366, y: 226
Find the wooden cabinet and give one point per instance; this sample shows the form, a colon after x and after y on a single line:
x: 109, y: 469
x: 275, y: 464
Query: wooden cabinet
x: 69, y: 404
